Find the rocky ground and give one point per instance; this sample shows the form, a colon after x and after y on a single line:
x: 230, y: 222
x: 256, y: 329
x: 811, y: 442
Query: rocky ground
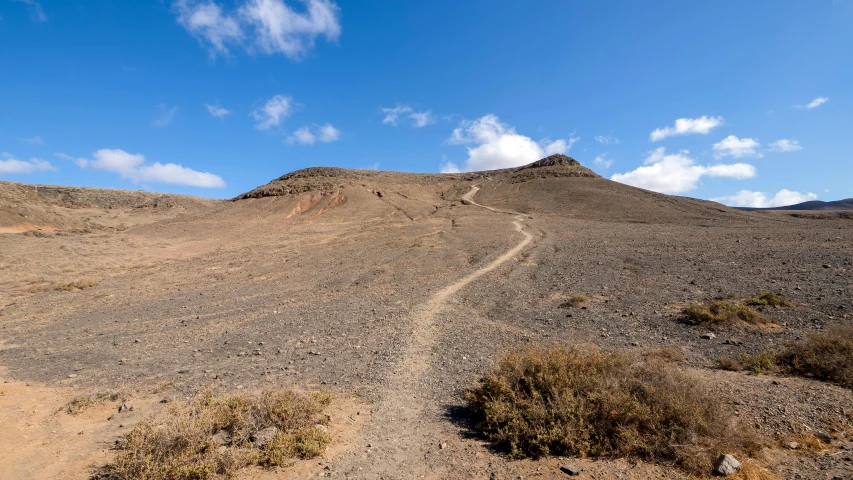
x: 392, y: 293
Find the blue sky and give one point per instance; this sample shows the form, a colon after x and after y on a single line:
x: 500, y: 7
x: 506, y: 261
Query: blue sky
x: 749, y: 103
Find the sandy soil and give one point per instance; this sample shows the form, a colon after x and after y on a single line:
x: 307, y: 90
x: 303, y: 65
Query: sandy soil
x: 396, y: 295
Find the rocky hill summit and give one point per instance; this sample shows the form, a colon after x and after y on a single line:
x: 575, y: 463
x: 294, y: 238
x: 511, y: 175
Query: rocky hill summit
x: 328, y: 178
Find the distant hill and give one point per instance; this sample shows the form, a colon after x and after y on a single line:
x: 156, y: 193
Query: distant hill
x: 814, y: 205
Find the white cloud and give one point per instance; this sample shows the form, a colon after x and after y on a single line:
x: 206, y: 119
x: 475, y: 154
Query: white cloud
x: 166, y: 116
x: 35, y: 140
x: 217, y: 111
x: 422, y: 119
x: 270, y: 26
x: 685, y: 126
x: 814, y: 103
x: 372, y: 166
x: 783, y: 198
x: 328, y: 133
x: 785, y: 145
x: 497, y: 145
x: 271, y: 113
x: 11, y: 165
x: 449, y: 167
x: 36, y: 12
x: 602, y: 161
x: 733, y: 146
x: 308, y: 135
x: 606, y: 140
x: 133, y: 167
x: 678, y: 173
x: 80, y: 162
x: 418, y: 119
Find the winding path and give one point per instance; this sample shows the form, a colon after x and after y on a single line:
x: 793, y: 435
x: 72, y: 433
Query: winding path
x: 399, y: 431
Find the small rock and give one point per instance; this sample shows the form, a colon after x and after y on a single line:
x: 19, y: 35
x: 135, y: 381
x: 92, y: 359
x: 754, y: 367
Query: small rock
x: 442, y: 446
x: 793, y: 445
x: 125, y: 407
x: 823, y: 436
x: 726, y: 465
x: 570, y: 470
x: 261, y: 437
x: 826, y: 266
x: 322, y: 427
x: 73, y: 375
x: 708, y: 336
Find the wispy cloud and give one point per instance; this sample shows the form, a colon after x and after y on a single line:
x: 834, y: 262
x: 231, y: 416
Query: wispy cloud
x: 602, y: 161
x: 134, y: 168
x: 785, y: 145
x: 167, y: 114
x: 607, y: 140
x: 271, y: 113
x: 395, y: 115
x: 216, y: 110
x: 735, y: 147
x: 34, y: 140
x: 686, y: 126
x: 9, y: 164
x: 319, y: 133
x: 268, y: 26
x: 36, y: 12
x: 814, y: 103
x: 678, y: 173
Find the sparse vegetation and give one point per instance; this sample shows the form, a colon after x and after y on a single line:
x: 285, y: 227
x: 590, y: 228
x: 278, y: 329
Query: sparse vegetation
x: 761, y: 362
x: 76, y: 285
x: 79, y: 404
x: 826, y: 355
x: 574, y: 301
x: 214, y: 436
x: 722, y: 313
x: 560, y: 401
x: 770, y: 300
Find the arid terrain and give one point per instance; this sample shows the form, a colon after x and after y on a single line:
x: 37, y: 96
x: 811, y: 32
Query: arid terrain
x: 396, y: 292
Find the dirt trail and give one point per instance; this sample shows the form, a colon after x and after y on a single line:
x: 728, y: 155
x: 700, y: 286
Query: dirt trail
x: 406, y: 420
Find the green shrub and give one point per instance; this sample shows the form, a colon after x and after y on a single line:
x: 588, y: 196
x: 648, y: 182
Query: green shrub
x: 771, y: 300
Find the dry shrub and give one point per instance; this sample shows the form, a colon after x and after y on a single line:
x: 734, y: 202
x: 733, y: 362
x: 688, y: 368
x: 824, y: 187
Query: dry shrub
x: 560, y: 401
x: 824, y: 355
x: 666, y: 354
x: 762, y: 362
x: 770, y: 300
x: 179, y: 443
x: 76, y: 285
x: 79, y: 404
x: 722, y: 313
x: 807, y: 443
x: 574, y: 301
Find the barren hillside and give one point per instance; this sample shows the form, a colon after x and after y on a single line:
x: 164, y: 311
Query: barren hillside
x: 396, y: 295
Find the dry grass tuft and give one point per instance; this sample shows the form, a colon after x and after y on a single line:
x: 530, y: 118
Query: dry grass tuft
x: 560, y: 401
x: 750, y: 470
x: 826, y: 355
x: 79, y: 404
x: 722, y: 313
x: 214, y: 436
x: 77, y: 285
x: 574, y: 301
x: 770, y: 300
x: 761, y: 362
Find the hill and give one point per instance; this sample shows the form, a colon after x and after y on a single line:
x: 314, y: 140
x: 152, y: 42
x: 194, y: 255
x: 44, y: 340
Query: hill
x: 813, y: 205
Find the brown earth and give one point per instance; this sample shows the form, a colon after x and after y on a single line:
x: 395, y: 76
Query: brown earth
x: 394, y: 293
